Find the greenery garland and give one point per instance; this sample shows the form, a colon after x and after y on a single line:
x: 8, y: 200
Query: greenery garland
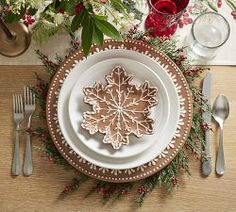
x: 168, y: 177
x: 95, y: 18
x: 90, y: 19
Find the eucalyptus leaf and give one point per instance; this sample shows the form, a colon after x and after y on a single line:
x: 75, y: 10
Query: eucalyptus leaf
x: 87, y: 35
x: 108, y: 29
x: 78, y: 20
x: 98, y: 36
x: 99, y: 17
x: 118, y: 5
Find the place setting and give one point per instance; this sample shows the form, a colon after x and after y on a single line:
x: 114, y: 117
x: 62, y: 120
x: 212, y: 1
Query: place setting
x: 123, y: 107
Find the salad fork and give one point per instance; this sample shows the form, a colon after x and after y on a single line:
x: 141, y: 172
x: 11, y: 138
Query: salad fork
x: 29, y: 100
x: 18, y: 117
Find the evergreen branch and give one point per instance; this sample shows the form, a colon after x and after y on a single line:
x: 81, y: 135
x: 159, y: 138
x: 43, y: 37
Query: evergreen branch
x: 50, y: 66
x: 167, y: 177
x: 75, y: 184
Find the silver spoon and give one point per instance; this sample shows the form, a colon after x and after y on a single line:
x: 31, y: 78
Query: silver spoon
x: 220, y: 113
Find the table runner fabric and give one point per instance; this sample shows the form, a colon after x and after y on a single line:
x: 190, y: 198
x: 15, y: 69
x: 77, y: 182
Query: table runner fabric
x: 58, y: 44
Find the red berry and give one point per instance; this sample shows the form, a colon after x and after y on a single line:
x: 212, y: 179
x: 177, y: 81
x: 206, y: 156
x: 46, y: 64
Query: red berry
x: 190, y: 20
x: 61, y: 11
x: 8, y: 10
x: 78, y: 8
x: 181, y: 24
x: 233, y: 13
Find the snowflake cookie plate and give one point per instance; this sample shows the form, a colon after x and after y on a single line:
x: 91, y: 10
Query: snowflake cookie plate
x: 120, y: 108
x: 165, y: 153
x: 160, y: 113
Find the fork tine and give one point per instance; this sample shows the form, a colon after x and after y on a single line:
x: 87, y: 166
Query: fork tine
x: 25, y: 99
x: 17, y: 104
x: 34, y: 99
x: 14, y: 103
x: 21, y: 104
x: 29, y: 96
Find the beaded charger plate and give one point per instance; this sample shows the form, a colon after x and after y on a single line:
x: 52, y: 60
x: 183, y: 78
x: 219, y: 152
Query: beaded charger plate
x: 144, y: 170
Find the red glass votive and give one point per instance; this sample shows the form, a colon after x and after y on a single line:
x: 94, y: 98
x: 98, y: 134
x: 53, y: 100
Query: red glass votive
x: 164, y: 16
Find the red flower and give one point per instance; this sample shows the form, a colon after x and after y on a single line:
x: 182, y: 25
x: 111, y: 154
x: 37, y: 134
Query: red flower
x: 78, y: 8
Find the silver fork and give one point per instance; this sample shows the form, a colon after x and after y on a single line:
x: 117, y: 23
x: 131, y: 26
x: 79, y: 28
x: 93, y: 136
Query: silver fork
x: 18, y: 117
x: 29, y: 100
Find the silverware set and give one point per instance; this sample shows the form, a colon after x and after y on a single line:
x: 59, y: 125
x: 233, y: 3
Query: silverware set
x: 220, y: 113
x: 23, y: 108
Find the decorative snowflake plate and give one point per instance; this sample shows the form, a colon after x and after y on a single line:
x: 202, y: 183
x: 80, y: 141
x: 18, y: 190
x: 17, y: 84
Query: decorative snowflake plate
x: 119, y: 108
x: 116, y: 170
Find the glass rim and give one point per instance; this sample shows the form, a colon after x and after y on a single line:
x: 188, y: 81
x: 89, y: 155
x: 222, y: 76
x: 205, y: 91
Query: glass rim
x: 217, y: 14
x: 167, y: 14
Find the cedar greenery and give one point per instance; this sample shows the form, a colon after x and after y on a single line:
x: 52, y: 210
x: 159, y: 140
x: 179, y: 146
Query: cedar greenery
x: 169, y: 176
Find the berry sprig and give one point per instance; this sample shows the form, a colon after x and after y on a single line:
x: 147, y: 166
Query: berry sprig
x: 185, y: 20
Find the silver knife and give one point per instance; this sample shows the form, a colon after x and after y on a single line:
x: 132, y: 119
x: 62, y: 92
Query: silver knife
x: 206, y: 91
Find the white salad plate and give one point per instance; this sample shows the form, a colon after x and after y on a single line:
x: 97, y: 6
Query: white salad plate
x: 97, y: 73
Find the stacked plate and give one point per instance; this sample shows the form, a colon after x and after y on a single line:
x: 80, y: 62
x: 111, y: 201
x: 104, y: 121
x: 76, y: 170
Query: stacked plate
x: 143, y: 156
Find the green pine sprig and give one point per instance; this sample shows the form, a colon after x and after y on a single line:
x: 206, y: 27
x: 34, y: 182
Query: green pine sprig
x: 169, y: 176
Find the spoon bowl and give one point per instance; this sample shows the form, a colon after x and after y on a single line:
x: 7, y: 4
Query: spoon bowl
x: 220, y: 110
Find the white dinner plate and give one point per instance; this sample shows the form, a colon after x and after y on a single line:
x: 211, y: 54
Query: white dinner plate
x: 97, y: 73
x: 100, y: 159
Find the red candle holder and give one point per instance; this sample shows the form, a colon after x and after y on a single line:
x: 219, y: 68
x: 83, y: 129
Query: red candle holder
x: 164, y: 16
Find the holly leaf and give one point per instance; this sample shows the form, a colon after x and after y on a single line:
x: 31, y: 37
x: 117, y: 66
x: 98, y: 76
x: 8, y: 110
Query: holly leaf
x: 108, y: 29
x: 87, y: 35
x: 98, y: 36
x: 78, y: 20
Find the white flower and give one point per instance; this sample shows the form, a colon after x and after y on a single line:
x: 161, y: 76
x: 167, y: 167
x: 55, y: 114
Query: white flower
x: 126, y: 25
x: 58, y: 19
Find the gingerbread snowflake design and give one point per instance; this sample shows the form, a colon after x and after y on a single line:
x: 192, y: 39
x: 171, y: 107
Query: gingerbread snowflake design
x: 119, y: 108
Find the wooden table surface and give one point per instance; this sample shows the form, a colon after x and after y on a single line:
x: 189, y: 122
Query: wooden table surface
x: 40, y: 191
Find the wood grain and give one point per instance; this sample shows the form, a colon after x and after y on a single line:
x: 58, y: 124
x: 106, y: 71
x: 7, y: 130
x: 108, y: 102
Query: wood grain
x: 40, y: 191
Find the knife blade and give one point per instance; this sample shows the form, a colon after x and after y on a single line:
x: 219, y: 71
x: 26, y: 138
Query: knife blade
x: 206, y: 91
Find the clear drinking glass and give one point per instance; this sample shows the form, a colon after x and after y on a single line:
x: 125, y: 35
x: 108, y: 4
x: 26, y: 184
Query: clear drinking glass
x: 209, y: 32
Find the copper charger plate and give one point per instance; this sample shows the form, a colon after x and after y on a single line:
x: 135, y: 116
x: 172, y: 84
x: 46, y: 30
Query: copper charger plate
x: 117, y: 175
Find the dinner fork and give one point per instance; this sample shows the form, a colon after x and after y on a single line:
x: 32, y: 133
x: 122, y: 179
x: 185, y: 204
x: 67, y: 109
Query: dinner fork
x: 18, y: 117
x: 29, y: 100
